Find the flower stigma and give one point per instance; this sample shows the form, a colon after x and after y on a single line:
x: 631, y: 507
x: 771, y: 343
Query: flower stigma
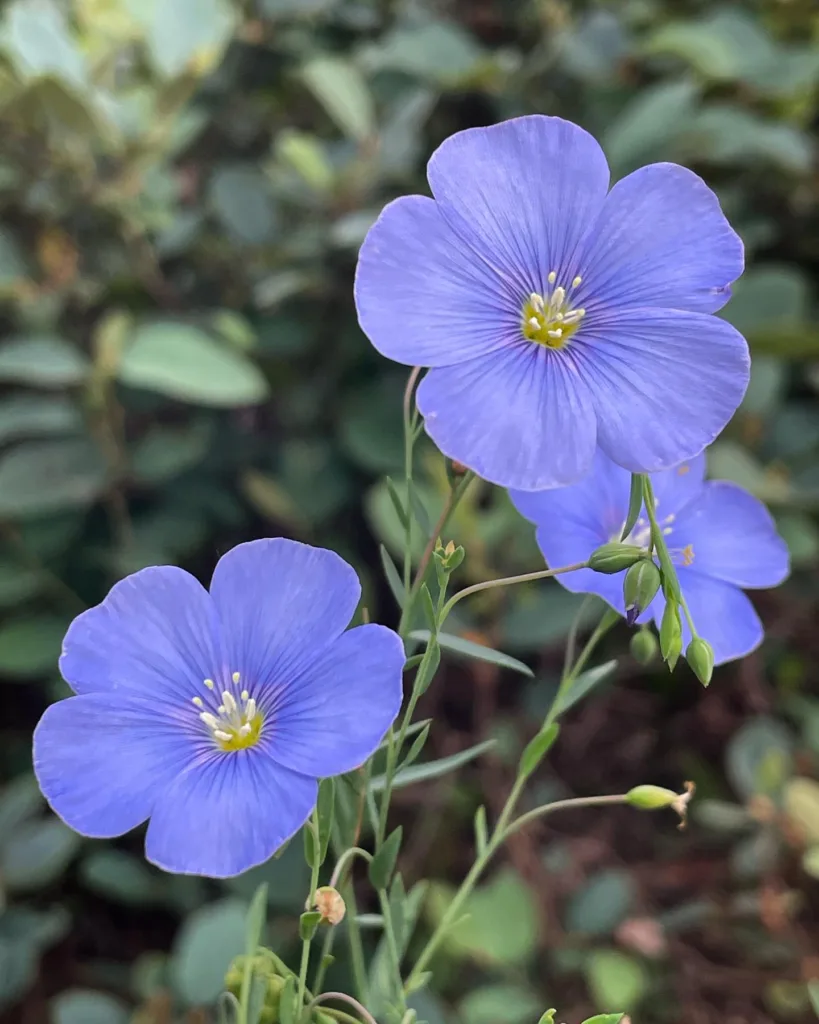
x: 234, y: 724
x: 552, y: 319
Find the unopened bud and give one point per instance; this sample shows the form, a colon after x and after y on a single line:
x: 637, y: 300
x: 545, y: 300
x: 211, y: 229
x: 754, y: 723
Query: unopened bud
x: 671, y: 633
x: 640, y: 587
x: 614, y: 557
x: 653, y: 798
x: 644, y: 647
x: 449, y: 557
x: 700, y: 656
x: 329, y: 904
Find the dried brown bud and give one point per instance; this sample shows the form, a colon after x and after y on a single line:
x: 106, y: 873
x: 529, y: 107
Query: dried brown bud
x: 329, y: 904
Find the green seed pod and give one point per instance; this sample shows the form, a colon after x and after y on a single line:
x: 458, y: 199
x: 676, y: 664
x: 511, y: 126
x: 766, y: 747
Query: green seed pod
x: 639, y: 588
x: 651, y: 798
x: 614, y: 557
x: 671, y: 633
x: 700, y: 656
x: 644, y: 647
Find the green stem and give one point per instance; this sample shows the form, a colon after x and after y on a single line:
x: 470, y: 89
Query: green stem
x: 305, y: 946
x: 409, y: 444
x: 569, y: 678
x: 392, y: 944
x: 666, y: 564
x: 344, y: 998
x: 561, y: 805
x: 508, y: 581
x: 355, y: 944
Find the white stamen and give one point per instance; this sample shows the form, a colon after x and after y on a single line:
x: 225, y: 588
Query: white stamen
x: 534, y: 322
x: 577, y: 281
x: 198, y: 702
x: 222, y: 709
x: 557, y: 333
x: 225, y: 737
x: 209, y: 683
x: 229, y: 701
x: 558, y: 297
x: 236, y: 677
x: 552, y: 276
x: 245, y: 730
x: 667, y: 530
x: 211, y: 721
x: 536, y: 302
x: 245, y: 694
x: 250, y: 709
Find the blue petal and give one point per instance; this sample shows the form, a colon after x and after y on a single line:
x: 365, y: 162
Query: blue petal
x: 102, y: 759
x: 526, y: 191
x: 664, y: 382
x: 155, y: 633
x: 520, y: 418
x: 722, y: 614
x: 226, y: 813
x: 674, y: 488
x: 281, y: 604
x: 733, y: 537
x: 662, y: 240
x: 332, y: 718
x: 424, y: 298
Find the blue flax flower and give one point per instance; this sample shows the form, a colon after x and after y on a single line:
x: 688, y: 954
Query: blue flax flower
x: 721, y: 540
x: 557, y: 315
x: 214, y: 714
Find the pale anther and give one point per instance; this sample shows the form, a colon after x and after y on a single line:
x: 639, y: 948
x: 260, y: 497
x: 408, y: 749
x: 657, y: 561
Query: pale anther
x: 209, y: 683
x: 536, y: 302
x: 210, y: 720
x: 245, y: 694
x: 534, y: 322
x: 558, y: 295
x: 229, y: 701
x: 222, y: 709
x: 577, y: 281
x: 198, y: 702
x: 552, y: 276
x: 557, y: 333
x: 250, y: 709
x: 225, y: 737
x: 245, y: 730
x: 236, y: 677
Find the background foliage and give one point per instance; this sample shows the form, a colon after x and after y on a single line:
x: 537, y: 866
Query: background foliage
x: 183, y: 188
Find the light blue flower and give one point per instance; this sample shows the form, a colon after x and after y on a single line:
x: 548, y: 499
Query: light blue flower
x: 722, y: 541
x: 213, y: 714
x: 557, y: 315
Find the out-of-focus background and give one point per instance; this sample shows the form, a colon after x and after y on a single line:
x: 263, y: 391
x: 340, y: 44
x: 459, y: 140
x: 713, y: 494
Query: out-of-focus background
x: 183, y: 188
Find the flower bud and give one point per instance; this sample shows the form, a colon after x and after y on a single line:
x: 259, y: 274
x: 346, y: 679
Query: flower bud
x: 614, y: 557
x: 653, y: 798
x: 639, y: 588
x: 700, y: 656
x: 329, y: 904
x: 671, y: 633
x: 644, y: 647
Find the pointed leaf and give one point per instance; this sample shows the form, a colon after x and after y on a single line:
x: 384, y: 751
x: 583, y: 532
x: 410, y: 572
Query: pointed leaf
x: 584, y: 684
x: 416, y: 748
x: 383, y: 863
x: 428, y: 668
x: 308, y: 922
x: 397, y: 503
x: 255, y: 920
x: 635, y: 503
x: 325, y: 807
x: 481, y: 832
x: 536, y: 750
x: 393, y: 577
x: 432, y: 769
x: 468, y: 649
x: 429, y: 609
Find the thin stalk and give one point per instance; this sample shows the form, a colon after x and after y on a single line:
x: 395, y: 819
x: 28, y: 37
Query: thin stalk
x: 392, y: 944
x: 571, y: 639
x: 355, y: 944
x: 305, y: 946
x: 561, y: 805
x: 344, y: 998
x: 666, y: 564
x: 569, y: 677
x: 409, y: 444
x: 508, y: 581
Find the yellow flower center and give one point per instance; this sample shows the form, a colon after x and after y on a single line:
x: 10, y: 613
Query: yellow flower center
x: 233, y: 724
x: 552, y: 319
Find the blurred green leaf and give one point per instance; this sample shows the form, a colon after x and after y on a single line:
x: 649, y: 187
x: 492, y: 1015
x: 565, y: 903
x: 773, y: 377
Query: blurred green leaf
x: 39, y: 43
x: 37, y: 854
x: 121, y: 877
x: 44, y: 361
x: 206, y: 944
x: 604, y: 902
x: 339, y: 87
x: 17, y: 584
x: 616, y: 979
x: 39, y: 477
x: 759, y: 757
x: 584, y: 684
x: 30, y: 647
x: 12, y: 265
x: 20, y: 800
x: 83, y: 1006
x: 241, y: 199
x: 655, y: 116
x: 188, y: 34
x: 37, y: 416
x: 801, y: 799
x: 439, y: 51
x: 183, y: 362
x: 500, y: 1004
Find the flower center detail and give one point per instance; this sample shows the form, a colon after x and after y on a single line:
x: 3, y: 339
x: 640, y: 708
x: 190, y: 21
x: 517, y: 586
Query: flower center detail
x: 551, y: 320
x: 234, y: 724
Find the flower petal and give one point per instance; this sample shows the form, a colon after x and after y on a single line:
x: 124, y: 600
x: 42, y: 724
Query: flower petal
x: 332, y: 718
x: 155, y: 634
x: 227, y: 813
x: 664, y: 383
x: 662, y: 240
x: 424, y: 298
x: 526, y: 191
x: 733, y: 537
x: 280, y: 604
x: 722, y: 614
x: 102, y: 759
x: 674, y: 488
x: 520, y: 418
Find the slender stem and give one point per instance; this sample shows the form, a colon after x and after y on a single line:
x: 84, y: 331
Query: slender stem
x: 666, y: 564
x: 340, y: 1015
x: 569, y: 678
x: 409, y: 444
x: 305, y: 946
x: 571, y: 639
x: 508, y: 582
x: 452, y: 501
x: 344, y: 998
x: 344, y: 860
x: 561, y: 805
x: 392, y: 944
x: 354, y: 942
x: 389, y: 772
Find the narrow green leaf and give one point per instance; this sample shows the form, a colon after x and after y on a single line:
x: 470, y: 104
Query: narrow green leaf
x: 428, y: 668
x: 413, y: 662
x: 584, y: 684
x: 325, y: 807
x: 605, y: 1018
x: 548, y: 1017
x: 310, y: 849
x: 255, y: 1003
x: 418, y: 511
x: 416, y: 748
x: 288, y: 1012
x: 635, y: 503
x: 308, y: 922
x: 481, y: 831
x: 412, y: 730
x: 536, y: 750
x: 397, y: 504
x: 420, y: 982
x: 393, y: 577
x: 383, y: 863
x: 255, y: 920
x: 467, y: 649
x: 429, y: 609
x: 432, y: 769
